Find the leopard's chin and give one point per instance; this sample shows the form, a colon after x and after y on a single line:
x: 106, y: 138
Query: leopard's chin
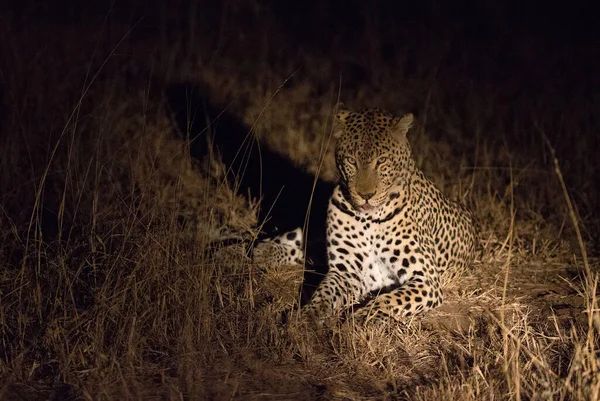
x: 366, y: 207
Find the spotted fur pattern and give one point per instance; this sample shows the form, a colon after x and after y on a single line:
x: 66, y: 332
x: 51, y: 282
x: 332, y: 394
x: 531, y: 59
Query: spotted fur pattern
x: 390, y: 231
x: 286, y: 249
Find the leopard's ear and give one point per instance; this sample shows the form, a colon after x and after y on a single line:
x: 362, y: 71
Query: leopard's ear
x: 342, y: 113
x: 341, y: 117
x: 403, y: 124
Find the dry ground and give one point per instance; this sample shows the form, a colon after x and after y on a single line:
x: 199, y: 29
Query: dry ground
x: 115, y: 282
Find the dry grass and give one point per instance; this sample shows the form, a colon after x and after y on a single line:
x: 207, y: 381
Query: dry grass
x: 114, y: 285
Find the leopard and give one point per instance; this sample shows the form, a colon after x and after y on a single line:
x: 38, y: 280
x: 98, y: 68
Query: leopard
x: 390, y: 232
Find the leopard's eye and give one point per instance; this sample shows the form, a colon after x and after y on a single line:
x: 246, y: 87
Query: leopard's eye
x: 381, y: 160
x: 351, y: 160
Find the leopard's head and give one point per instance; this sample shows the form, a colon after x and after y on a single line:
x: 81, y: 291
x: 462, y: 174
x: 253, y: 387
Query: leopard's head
x: 373, y: 156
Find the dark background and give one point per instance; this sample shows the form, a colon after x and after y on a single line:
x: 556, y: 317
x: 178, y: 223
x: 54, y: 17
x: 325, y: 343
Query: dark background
x: 507, y: 70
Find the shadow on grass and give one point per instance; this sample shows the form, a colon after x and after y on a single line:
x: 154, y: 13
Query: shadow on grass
x: 286, y: 191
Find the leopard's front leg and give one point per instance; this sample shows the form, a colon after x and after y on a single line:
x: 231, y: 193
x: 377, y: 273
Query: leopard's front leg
x: 421, y: 292
x: 339, y: 289
x: 400, y: 303
x: 343, y: 284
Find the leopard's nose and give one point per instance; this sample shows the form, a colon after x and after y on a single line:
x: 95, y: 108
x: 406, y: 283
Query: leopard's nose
x: 366, y: 196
